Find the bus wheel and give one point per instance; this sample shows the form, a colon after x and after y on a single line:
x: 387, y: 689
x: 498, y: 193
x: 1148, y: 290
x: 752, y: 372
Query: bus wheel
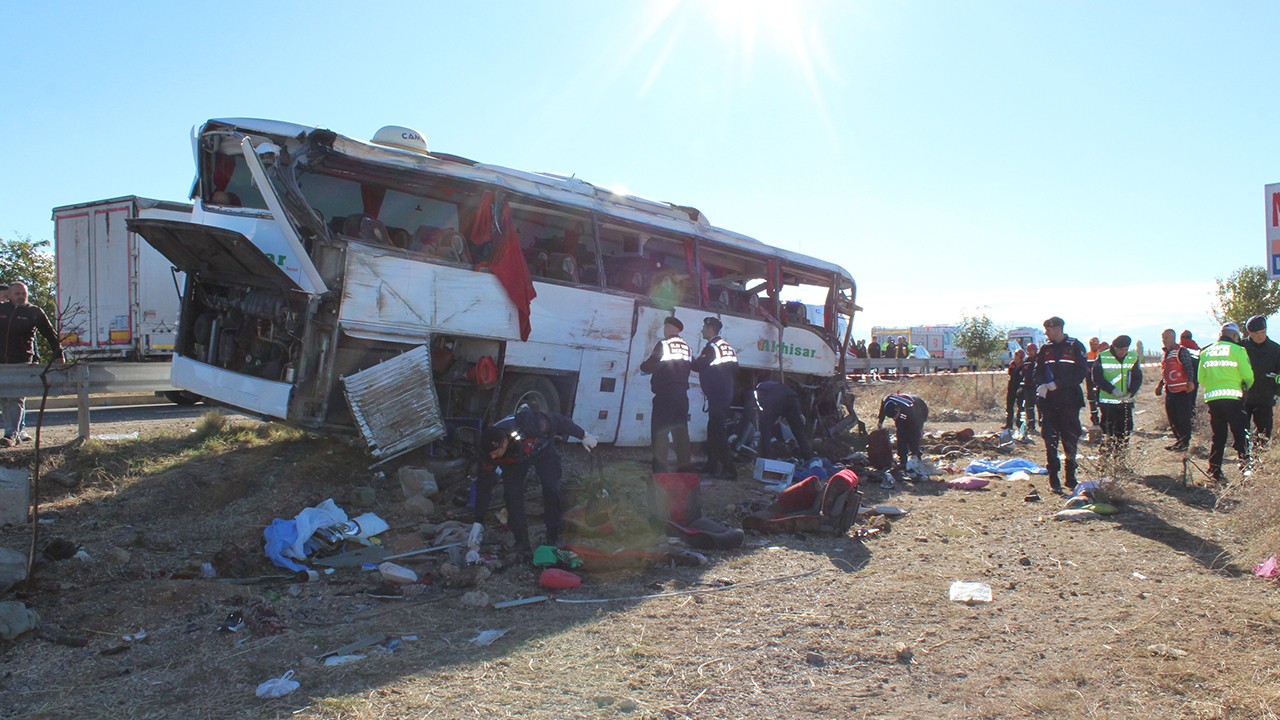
x: 533, y: 392
x: 182, y: 397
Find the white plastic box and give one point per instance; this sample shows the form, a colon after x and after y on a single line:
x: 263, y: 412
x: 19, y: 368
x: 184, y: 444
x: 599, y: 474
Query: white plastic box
x: 774, y: 471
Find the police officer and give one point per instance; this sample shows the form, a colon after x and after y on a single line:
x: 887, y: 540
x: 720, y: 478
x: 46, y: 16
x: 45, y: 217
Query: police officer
x: 1060, y: 368
x: 1225, y: 374
x: 669, y: 365
x: 717, y: 368
x: 909, y: 414
x: 1264, y: 357
x: 776, y: 401
x: 508, y: 449
x: 1117, y: 376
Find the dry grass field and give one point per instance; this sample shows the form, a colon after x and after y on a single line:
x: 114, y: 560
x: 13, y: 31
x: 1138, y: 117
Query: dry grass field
x: 1153, y: 612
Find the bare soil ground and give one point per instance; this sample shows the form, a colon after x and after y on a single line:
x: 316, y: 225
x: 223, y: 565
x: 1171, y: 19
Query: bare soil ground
x: 791, y: 626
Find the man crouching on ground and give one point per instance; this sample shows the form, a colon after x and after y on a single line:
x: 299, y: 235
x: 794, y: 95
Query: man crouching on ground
x: 508, y: 448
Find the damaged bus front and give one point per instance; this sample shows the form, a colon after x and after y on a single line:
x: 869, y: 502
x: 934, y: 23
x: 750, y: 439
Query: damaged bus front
x: 333, y: 282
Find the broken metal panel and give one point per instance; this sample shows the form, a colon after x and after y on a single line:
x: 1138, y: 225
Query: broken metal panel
x: 394, y: 404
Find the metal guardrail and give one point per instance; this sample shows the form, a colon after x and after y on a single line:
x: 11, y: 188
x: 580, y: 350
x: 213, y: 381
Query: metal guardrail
x: 83, y: 379
x: 903, y: 366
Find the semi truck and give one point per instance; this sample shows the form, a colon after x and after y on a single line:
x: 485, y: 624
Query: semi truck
x: 117, y: 296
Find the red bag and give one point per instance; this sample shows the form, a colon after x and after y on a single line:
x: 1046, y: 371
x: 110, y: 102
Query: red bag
x: 557, y: 579
x: 880, y: 450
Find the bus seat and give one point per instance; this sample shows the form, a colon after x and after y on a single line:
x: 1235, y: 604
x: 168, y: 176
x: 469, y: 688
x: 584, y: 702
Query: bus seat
x: 224, y: 198
x: 367, y: 229
x: 444, y: 243
x: 538, y: 261
x: 628, y: 273
x: 399, y: 237
x: 720, y: 301
x: 562, y: 266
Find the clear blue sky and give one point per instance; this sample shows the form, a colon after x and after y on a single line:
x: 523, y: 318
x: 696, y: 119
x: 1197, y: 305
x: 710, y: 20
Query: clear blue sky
x: 1102, y: 161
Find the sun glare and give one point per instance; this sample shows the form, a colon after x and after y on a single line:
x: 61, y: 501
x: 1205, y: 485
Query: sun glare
x: 776, y: 22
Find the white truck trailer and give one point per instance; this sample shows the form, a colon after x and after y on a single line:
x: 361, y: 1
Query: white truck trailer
x: 118, y: 297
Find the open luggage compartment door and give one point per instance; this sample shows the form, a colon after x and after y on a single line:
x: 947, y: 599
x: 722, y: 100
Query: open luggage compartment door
x: 394, y: 404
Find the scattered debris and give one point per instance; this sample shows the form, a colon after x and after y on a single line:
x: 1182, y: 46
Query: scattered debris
x: 903, y: 653
x: 397, y: 574
x: 519, y: 602
x: 476, y: 598
x: 336, y: 660
x: 814, y: 659
x: 489, y: 637
x: 15, y: 619
x: 557, y: 579
x: 1162, y: 650
x: 970, y: 592
x: 1269, y: 568
x: 277, y: 687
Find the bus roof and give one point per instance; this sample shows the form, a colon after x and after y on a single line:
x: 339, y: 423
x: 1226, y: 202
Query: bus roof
x: 551, y: 187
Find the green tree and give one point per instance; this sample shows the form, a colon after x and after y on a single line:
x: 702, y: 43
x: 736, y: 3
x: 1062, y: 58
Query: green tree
x: 31, y: 262
x: 1245, y: 293
x: 981, y: 339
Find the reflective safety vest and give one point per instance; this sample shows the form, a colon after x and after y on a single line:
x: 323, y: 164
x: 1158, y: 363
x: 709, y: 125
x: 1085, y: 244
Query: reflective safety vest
x: 1174, y: 375
x: 1225, y: 371
x: 1116, y: 371
x: 676, y: 349
x: 724, y: 352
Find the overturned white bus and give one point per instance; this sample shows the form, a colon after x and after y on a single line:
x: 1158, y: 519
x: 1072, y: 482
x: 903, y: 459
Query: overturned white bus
x: 333, y: 282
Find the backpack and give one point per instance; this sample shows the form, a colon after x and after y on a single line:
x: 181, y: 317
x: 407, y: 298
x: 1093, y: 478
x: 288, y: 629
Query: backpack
x: 880, y: 450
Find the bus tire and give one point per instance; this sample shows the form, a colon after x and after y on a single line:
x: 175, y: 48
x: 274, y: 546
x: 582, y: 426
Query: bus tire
x: 532, y: 391
x: 182, y: 397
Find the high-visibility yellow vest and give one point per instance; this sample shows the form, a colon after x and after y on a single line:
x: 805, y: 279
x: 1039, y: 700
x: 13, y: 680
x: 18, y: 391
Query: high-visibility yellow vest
x: 1225, y: 372
x: 1116, y: 372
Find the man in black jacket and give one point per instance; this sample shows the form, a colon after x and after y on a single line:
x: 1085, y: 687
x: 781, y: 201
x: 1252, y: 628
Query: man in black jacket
x: 1061, y: 366
x: 1264, y: 357
x: 717, y: 369
x: 669, y: 365
x: 19, y: 322
x: 511, y: 446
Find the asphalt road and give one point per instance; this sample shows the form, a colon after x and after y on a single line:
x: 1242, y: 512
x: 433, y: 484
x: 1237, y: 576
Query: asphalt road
x: 61, y: 425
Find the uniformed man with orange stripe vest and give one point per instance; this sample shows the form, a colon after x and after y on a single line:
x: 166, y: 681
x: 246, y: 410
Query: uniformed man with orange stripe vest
x: 1061, y: 366
x: 669, y: 364
x: 1225, y: 374
x: 717, y: 369
x: 1117, y: 376
x: 1178, y: 383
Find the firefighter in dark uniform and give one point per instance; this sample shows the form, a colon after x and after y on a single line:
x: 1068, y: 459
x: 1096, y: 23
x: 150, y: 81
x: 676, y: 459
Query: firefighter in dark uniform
x: 1061, y: 366
x: 511, y: 446
x: 776, y: 401
x: 669, y: 365
x: 717, y: 368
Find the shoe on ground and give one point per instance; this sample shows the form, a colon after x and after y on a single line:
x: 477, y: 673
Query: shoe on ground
x: 1032, y: 496
x: 1178, y: 447
x: 24, y: 437
x: 7, y: 441
x: 1217, y: 476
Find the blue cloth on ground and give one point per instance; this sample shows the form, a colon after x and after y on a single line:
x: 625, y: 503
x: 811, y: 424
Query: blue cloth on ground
x: 1005, y: 467
x: 281, y: 535
x: 821, y: 467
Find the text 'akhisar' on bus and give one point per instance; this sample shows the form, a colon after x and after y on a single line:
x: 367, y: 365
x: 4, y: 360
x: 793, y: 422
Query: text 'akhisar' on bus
x: 333, y: 282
